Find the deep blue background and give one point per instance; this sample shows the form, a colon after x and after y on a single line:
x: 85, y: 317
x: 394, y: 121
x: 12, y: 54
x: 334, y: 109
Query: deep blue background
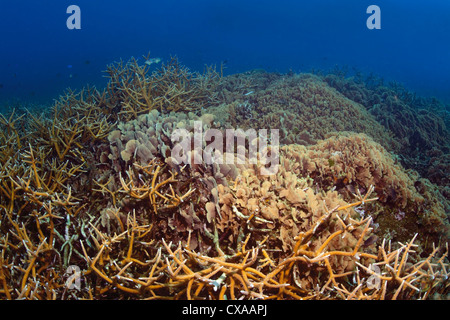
x: 36, y: 48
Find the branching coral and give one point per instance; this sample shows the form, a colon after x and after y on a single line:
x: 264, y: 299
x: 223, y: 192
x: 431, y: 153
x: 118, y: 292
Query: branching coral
x: 136, y: 264
x: 171, y: 88
x: 74, y: 124
x: 43, y: 165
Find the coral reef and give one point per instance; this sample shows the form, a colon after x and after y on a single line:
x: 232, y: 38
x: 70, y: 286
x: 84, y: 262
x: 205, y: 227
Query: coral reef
x: 94, y: 205
x: 418, y: 124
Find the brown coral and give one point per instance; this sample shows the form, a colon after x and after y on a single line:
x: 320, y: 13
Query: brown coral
x: 353, y: 162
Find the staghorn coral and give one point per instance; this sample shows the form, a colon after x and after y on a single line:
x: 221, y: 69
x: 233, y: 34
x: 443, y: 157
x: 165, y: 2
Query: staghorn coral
x: 44, y: 189
x: 132, y: 90
x: 161, y: 270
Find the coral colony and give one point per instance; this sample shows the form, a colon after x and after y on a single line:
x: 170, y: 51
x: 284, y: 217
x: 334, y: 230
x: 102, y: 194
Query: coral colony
x: 193, y: 149
x: 168, y: 185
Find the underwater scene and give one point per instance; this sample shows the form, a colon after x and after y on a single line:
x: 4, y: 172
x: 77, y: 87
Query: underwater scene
x: 224, y: 150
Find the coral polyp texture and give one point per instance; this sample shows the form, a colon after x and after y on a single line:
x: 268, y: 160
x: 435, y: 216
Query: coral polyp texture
x: 95, y: 203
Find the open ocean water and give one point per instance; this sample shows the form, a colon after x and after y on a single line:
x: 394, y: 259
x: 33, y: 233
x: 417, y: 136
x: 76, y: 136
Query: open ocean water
x: 40, y: 56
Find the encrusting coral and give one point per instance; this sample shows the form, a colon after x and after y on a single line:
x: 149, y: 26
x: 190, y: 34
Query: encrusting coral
x: 304, y: 107
x: 94, y: 205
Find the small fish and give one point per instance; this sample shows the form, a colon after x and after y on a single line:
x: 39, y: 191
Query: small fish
x: 371, y: 240
x: 1, y: 85
x: 153, y: 60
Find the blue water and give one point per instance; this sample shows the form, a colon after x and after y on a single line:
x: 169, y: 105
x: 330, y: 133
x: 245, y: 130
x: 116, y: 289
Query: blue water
x: 40, y: 57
